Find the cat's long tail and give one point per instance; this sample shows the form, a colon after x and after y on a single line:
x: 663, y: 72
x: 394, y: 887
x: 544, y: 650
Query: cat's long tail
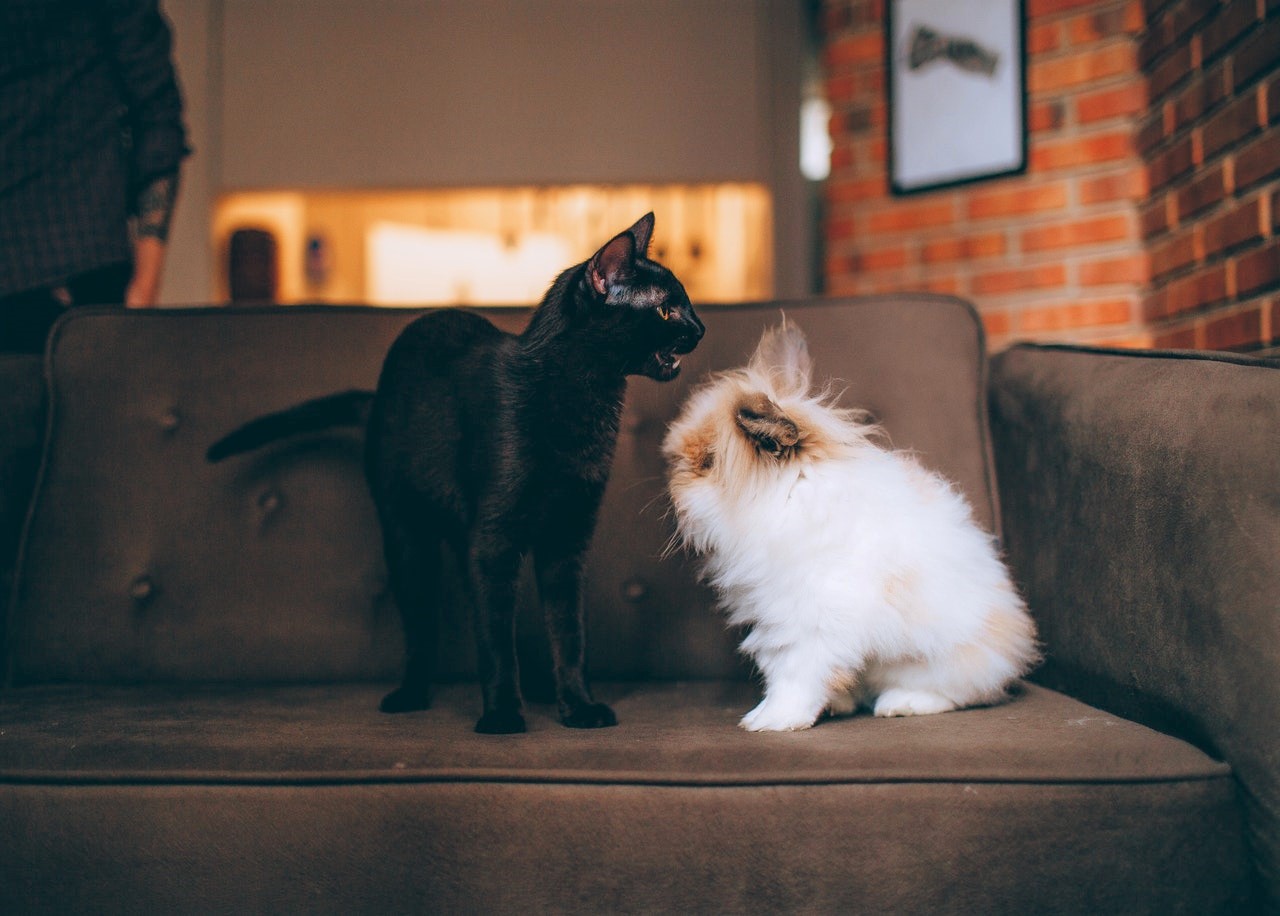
x: 346, y: 408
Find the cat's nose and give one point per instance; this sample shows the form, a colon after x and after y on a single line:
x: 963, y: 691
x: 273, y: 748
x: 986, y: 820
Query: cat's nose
x: 692, y: 329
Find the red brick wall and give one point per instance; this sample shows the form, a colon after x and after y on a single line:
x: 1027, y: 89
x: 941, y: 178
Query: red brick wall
x: 1066, y: 251
x: 1210, y: 141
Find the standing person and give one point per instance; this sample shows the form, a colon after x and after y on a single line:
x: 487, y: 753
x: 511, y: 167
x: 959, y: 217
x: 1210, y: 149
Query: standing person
x: 91, y: 143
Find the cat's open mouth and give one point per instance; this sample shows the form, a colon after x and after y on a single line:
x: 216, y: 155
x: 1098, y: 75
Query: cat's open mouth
x: 664, y: 365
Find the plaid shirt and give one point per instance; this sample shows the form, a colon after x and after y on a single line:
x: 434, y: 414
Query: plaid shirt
x: 90, y: 113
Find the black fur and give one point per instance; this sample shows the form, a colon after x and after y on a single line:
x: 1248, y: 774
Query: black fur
x: 500, y: 445
x: 349, y: 408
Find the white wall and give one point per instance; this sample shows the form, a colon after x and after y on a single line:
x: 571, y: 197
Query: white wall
x: 421, y: 93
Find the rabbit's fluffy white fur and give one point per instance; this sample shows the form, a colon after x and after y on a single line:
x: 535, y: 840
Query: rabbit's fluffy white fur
x: 862, y: 576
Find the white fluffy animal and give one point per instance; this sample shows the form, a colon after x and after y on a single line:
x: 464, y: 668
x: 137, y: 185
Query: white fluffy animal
x: 862, y: 576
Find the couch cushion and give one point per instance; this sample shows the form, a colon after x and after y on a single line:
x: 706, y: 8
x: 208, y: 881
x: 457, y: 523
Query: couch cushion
x: 1042, y: 804
x: 145, y: 563
x: 1142, y: 507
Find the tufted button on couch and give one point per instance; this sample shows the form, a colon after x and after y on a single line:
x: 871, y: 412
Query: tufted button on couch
x: 193, y: 653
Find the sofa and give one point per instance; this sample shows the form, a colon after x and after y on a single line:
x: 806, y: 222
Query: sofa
x: 194, y: 653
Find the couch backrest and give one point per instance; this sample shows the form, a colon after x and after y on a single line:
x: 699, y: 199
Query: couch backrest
x: 143, y: 562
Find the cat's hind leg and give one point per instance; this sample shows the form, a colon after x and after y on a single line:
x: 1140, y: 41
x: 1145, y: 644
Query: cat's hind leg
x: 413, y: 569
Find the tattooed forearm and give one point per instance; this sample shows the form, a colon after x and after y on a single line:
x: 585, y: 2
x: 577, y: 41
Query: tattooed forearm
x: 155, y: 208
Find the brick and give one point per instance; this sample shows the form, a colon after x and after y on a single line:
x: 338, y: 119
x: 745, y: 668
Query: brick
x: 1116, y: 102
x: 1081, y: 67
x: 839, y: 229
x: 1201, y: 95
x: 947, y: 285
x: 1043, y: 276
x: 1178, y: 338
x: 1234, y: 331
x: 1153, y: 219
x: 856, y: 120
x: 1173, y: 162
x: 1274, y: 316
x: 1139, y: 341
x: 1184, y: 17
x: 1241, y: 226
x: 1154, y: 42
x: 841, y: 89
x: 852, y: 190
x: 1273, y: 101
x: 1097, y: 148
x: 1076, y: 315
x: 1258, y: 269
x: 1037, y: 8
x: 1043, y: 37
x: 1239, y: 119
x: 996, y: 323
x: 1108, y: 23
x: 1130, y: 184
x: 907, y: 217
x: 1046, y: 116
x: 1155, y: 305
x: 1133, y: 269
x: 1258, y: 161
x: 863, y: 48
x: 1208, y: 187
x: 1177, y: 253
x: 1227, y: 27
x: 1171, y: 71
x: 963, y: 248
x: 1258, y: 53
x: 1199, y: 290
x: 1078, y: 233
x: 1016, y: 201
x: 1150, y: 133
x: 879, y: 259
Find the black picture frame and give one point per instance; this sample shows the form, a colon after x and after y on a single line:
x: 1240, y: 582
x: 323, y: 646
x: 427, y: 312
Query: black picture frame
x: 955, y: 77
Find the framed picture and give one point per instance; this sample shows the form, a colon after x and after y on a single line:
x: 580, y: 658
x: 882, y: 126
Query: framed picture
x: 957, y: 91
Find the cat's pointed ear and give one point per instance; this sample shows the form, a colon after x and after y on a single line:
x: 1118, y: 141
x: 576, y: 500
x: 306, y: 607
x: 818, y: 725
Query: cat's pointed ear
x: 613, y: 263
x: 783, y: 356
x: 766, y: 425
x: 643, y: 231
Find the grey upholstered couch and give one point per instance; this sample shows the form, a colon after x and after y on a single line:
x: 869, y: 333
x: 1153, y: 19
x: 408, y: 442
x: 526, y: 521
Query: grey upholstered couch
x: 194, y: 653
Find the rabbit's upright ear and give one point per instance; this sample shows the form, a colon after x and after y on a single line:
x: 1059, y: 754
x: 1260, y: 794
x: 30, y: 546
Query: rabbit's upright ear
x: 783, y: 356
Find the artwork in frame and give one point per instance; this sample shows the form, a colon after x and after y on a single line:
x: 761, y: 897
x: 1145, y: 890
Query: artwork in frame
x: 957, y: 92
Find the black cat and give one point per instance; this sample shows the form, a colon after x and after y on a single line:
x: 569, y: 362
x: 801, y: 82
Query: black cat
x: 499, y: 445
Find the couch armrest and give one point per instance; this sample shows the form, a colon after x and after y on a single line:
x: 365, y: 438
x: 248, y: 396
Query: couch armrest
x: 1140, y: 497
x: 22, y: 423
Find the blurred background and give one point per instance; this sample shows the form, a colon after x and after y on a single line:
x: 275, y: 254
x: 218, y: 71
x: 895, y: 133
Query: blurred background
x: 463, y: 151
x: 466, y: 151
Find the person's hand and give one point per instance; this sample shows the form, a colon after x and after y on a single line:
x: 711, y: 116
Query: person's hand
x: 143, y: 291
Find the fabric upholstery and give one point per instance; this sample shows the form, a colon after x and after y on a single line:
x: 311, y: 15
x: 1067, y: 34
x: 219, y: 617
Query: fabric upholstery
x: 196, y: 653
x: 147, y: 563
x: 1141, y: 498
x: 153, y: 796
x: 21, y: 434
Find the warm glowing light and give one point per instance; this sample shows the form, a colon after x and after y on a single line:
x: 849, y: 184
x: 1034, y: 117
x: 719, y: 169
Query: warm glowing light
x: 489, y: 246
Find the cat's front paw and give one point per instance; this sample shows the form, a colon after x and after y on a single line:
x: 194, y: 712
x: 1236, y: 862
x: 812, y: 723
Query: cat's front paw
x: 589, y: 715
x: 501, y: 722
x: 775, y: 717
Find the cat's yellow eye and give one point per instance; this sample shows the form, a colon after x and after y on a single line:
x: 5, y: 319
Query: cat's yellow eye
x: 664, y: 313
